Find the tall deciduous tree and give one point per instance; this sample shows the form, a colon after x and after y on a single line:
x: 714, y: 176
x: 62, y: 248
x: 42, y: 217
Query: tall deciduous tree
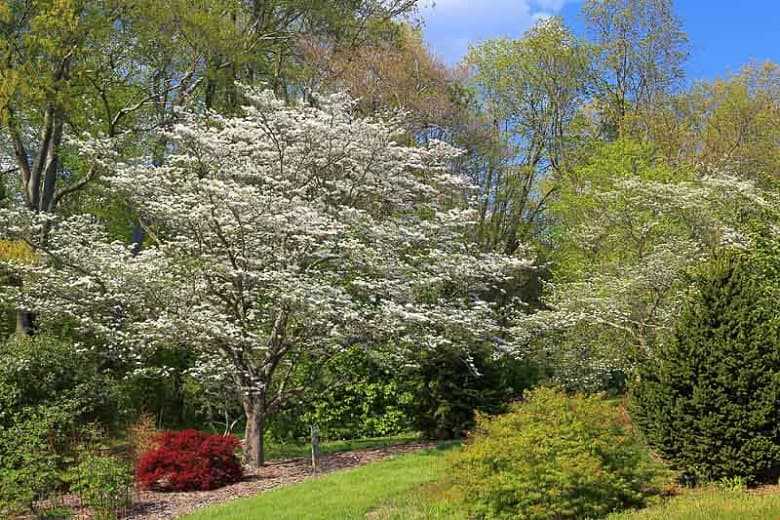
x: 284, y: 231
x: 118, y: 66
x: 392, y: 70
x: 641, y: 50
x: 741, y: 127
x: 531, y: 90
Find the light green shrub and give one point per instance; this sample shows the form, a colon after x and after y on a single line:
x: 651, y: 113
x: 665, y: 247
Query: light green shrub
x: 556, y: 457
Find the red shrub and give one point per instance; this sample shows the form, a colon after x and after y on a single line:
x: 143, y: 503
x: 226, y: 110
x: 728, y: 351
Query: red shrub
x: 188, y: 461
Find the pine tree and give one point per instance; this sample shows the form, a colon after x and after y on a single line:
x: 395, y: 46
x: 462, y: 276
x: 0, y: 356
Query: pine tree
x: 710, y: 401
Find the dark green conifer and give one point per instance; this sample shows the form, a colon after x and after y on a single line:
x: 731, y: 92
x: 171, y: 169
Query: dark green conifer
x: 709, y: 402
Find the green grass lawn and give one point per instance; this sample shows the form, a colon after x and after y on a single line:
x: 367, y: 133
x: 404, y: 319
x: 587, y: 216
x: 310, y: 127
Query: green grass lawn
x: 438, y: 501
x: 414, y: 487
x: 710, y: 504
x: 432, y: 501
x: 349, y: 494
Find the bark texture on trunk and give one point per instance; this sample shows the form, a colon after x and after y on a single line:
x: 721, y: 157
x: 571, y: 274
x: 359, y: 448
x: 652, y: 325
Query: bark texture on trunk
x: 254, y: 450
x: 25, y: 320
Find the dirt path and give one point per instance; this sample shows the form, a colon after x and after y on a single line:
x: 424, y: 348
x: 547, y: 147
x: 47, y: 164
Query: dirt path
x: 149, y: 505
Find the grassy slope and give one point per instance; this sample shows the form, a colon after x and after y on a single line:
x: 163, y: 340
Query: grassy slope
x: 437, y: 502
x: 345, y: 495
x: 711, y: 504
x: 413, y: 487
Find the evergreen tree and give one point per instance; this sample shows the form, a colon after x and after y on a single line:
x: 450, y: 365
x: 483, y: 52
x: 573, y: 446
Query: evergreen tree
x: 710, y: 401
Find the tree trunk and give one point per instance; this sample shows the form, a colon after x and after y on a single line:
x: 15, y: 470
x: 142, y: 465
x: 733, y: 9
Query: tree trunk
x: 254, y: 453
x: 137, y: 238
x: 25, y: 324
x: 25, y: 320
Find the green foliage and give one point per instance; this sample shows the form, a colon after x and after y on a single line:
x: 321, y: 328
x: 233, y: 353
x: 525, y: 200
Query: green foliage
x: 447, y: 388
x: 530, y: 90
x: 582, y: 203
x: 104, y: 483
x: 735, y: 483
x: 45, y: 372
x: 625, y: 230
x: 555, y: 457
x: 29, y: 467
x: 160, y: 387
x: 710, y: 401
x: 360, y: 398
x: 436, y: 393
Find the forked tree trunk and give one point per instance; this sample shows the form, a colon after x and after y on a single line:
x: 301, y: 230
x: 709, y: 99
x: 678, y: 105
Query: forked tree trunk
x: 254, y: 452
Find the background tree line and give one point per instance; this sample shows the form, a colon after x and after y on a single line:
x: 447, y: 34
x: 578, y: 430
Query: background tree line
x: 593, y: 151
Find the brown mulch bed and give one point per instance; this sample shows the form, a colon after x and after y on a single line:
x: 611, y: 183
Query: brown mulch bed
x: 151, y: 505
x: 767, y: 489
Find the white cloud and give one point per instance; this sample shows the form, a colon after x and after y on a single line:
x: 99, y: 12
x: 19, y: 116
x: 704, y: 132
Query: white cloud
x: 451, y: 25
x: 491, y: 8
x: 552, y: 6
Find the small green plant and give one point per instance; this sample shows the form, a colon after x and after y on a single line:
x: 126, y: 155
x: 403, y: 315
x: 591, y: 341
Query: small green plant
x: 734, y: 484
x: 54, y: 512
x: 556, y: 457
x: 103, y: 481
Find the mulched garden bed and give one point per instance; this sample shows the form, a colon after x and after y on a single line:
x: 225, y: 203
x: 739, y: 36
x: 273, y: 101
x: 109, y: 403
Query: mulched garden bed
x: 151, y: 505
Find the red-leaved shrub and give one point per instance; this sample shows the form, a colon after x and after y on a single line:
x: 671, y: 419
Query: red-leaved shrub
x: 190, y: 460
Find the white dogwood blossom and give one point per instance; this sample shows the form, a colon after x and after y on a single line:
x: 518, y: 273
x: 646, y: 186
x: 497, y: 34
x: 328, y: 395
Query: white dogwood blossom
x: 279, y: 230
x: 633, y: 248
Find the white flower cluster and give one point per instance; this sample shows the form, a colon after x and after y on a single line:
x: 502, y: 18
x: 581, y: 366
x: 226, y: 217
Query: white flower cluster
x: 643, y: 237
x: 283, y: 229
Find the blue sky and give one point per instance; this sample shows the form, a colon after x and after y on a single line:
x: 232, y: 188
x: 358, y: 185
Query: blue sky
x: 723, y: 34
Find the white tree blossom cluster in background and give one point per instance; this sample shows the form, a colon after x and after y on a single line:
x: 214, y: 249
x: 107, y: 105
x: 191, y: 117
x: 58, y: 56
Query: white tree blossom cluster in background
x: 637, y: 242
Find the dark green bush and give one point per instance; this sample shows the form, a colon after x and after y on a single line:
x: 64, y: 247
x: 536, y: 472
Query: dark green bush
x: 710, y: 401
x: 447, y: 388
x: 50, y: 373
x: 556, y: 457
x: 353, y: 397
x: 49, y: 391
x: 161, y: 387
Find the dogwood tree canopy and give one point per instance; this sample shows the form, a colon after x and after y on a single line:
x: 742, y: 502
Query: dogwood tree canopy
x: 280, y: 231
x: 629, y: 235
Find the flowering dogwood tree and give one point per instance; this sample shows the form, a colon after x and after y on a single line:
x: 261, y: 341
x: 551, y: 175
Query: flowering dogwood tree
x: 283, y: 232
x: 629, y: 241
